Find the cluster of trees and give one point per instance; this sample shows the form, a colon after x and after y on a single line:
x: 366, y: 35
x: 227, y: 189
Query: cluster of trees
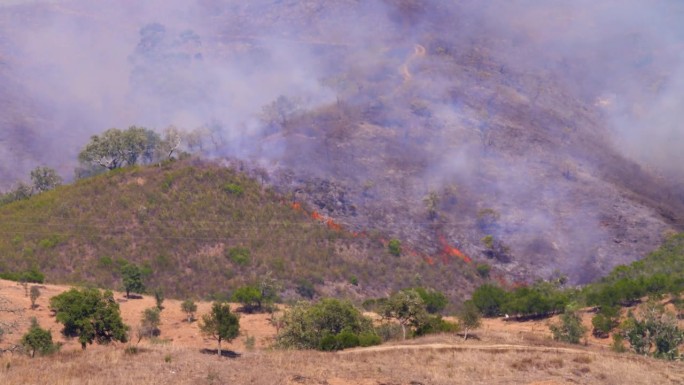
x: 331, y: 324
x: 651, y: 331
x: 93, y: 316
x: 539, y: 300
x: 117, y: 148
x: 42, y: 179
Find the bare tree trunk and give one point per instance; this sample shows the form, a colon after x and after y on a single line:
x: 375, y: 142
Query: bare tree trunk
x: 403, y: 331
x: 465, y: 335
x: 219, y: 348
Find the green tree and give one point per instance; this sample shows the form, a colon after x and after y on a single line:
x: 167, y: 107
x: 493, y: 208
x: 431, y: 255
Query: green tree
x: 44, y: 179
x: 570, y: 328
x: 435, y: 301
x: 250, y: 298
x: 220, y: 324
x: 38, y: 340
x: 605, y: 320
x: 132, y: 279
x: 489, y: 299
x: 34, y: 294
x: 408, y: 308
x: 89, y: 315
x: 189, y: 308
x: 117, y: 148
x: 469, y: 318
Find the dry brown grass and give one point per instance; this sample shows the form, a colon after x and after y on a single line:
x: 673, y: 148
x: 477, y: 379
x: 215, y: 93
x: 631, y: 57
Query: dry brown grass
x: 505, y: 353
x: 111, y: 365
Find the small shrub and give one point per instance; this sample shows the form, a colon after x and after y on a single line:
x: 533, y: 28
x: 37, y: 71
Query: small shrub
x: 189, y: 308
x: 306, y: 289
x: 38, y: 340
x: 437, y: 324
x: 167, y: 358
x: 583, y: 360
x: 483, y: 270
x: 394, y: 247
x: 149, y: 324
x: 159, y: 298
x: 435, y: 301
x: 389, y: 332
x: 239, y: 255
x: 328, y: 343
x: 234, y: 188
x: 250, y: 342
x: 34, y: 294
x: 618, y: 345
x: 347, y: 339
x: 369, y: 339
x: 105, y: 262
x: 131, y: 350
x: 570, y: 328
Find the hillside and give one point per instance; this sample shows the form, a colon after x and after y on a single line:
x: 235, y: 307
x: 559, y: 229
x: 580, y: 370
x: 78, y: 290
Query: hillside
x: 541, y: 150
x: 201, y: 230
x: 502, y: 353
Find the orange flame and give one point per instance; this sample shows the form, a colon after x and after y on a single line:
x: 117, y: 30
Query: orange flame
x: 332, y: 225
x: 296, y: 206
x: 451, y: 251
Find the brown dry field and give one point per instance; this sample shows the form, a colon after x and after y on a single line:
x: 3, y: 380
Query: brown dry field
x: 503, y: 353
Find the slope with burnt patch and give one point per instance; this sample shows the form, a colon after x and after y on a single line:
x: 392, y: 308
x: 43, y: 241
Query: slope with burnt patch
x: 200, y: 229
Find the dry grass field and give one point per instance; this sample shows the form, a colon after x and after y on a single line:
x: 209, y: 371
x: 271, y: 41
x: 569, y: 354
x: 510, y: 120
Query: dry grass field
x: 504, y: 353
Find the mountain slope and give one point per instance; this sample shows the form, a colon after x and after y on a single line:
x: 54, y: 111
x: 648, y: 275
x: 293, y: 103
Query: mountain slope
x: 537, y: 136
x: 201, y: 229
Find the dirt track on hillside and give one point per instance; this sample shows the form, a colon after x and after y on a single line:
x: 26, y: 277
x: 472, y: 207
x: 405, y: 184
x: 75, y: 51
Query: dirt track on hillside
x: 497, y: 347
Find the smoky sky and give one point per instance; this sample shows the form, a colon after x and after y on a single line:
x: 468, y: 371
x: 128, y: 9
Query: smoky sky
x: 71, y: 69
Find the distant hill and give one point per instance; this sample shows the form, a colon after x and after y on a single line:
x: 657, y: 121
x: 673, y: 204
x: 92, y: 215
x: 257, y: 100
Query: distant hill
x: 202, y: 230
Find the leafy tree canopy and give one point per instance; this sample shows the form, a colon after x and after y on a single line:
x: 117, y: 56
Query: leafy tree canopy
x: 89, y: 315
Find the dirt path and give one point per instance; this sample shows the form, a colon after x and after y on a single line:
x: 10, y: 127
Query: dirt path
x: 496, y: 347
